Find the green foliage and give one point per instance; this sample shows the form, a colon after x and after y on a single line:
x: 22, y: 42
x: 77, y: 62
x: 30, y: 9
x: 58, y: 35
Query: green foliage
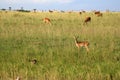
x: 24, y: 36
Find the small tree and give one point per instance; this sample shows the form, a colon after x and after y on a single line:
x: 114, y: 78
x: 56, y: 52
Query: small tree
x: 22, y: 8
x: 34, y: 10
x: 10, y: 8
x: 3, y: 9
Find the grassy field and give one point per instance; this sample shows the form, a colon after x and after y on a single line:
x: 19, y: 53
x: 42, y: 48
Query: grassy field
x: 24, y: 36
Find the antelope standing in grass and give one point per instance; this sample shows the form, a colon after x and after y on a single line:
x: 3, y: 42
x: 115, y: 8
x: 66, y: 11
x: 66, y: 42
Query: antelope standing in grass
x: 97, y: 12
x: 87, y: 19
x: 47, y: 20
x: 99, y: 15
x: 81, y: 44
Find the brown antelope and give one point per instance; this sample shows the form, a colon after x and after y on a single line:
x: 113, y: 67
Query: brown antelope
x: 97, y: 12
x: 80, y: 13
x: 99, y: 15
x: 47, y: 20
x: 83, y: 11
x: 87, y: 19
x: 50, y: 11
x: 81, y: 44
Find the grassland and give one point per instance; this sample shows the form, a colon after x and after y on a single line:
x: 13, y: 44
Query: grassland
x: 24, y: 36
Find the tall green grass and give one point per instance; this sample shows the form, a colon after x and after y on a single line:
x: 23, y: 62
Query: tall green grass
x: 24, y: 36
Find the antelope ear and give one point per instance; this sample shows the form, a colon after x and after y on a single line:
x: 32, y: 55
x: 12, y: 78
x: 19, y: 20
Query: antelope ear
x: 75, y: 37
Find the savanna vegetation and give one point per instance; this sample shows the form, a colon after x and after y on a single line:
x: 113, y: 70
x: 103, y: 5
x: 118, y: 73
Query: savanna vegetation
x: 24, y: 36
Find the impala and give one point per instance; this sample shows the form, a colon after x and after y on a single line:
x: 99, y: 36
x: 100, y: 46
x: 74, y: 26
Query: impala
x: 47, y: 20
x: 81, y: 43
x: 87, y: 19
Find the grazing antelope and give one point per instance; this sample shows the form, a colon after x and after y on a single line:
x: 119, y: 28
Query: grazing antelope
x: 97, y: 12
x: 87, y: 19
x: 50, y: 11
x: 80, y: 12
x: 83, y: 11
x: 81, y: 44
x: 47, y: 20
x: 99, y: 15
